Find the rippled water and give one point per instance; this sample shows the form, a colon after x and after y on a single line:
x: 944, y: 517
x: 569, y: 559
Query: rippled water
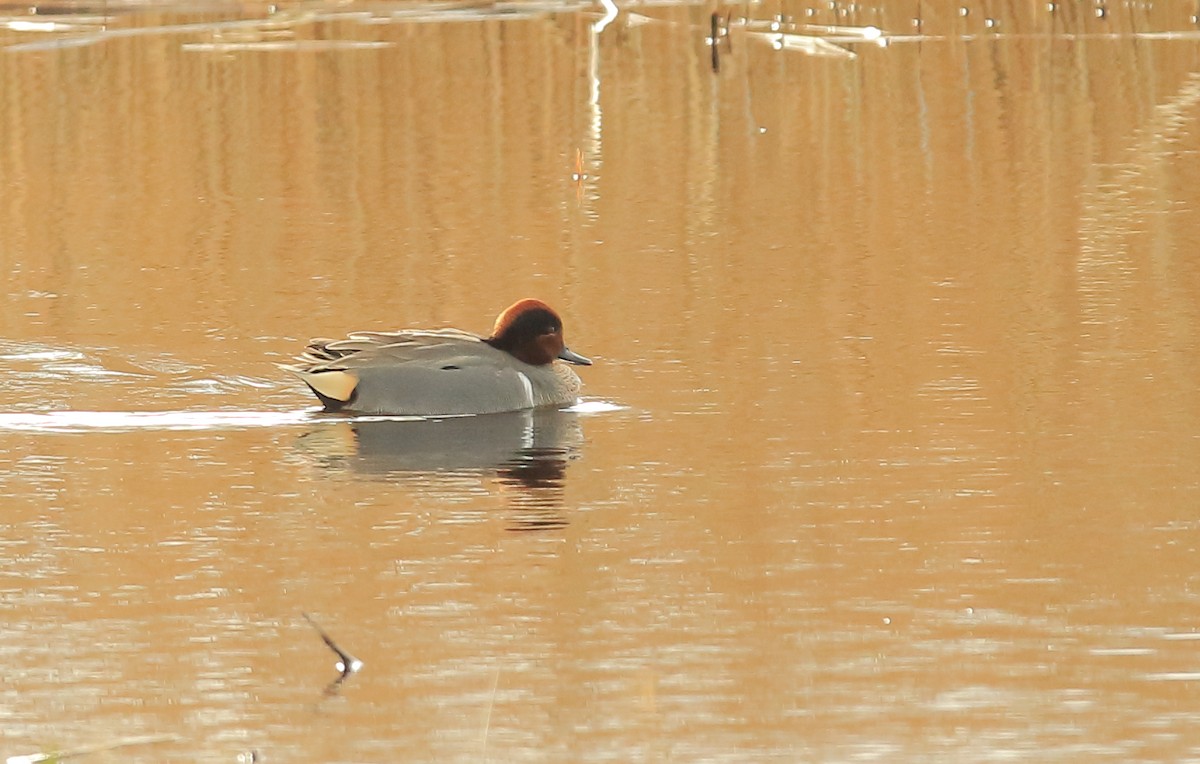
x: 888, y: 452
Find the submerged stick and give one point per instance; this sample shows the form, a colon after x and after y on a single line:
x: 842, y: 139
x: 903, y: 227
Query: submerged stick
x: 348, y: 663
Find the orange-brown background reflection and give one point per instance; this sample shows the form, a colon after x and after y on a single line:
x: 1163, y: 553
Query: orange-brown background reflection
x: 901, y: 351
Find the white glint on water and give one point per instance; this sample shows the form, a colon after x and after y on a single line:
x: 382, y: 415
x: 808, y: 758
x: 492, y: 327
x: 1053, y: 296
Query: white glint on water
x: 112, y: 421
x: 84, y: 421
x: 594, y: 407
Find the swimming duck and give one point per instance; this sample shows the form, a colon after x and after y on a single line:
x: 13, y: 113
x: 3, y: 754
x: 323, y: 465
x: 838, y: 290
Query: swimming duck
x: 446, y: 371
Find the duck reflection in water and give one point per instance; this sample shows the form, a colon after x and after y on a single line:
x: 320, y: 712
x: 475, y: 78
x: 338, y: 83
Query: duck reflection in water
x: 525, y: 454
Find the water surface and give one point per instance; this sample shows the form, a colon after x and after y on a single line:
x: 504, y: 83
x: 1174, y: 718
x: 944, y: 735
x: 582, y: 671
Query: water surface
x: 888, y: 452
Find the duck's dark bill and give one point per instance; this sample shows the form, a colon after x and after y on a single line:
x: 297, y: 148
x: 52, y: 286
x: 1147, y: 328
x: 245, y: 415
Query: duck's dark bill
x: 569, y: 357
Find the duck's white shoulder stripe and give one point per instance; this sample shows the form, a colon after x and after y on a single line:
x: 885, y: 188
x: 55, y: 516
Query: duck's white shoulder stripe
x: 528, y: 386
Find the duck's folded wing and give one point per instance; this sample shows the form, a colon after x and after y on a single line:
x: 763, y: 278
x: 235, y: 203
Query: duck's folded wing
x: 363, y: 349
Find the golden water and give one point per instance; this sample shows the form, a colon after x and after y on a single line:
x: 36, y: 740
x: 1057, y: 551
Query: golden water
x: 889, y: 452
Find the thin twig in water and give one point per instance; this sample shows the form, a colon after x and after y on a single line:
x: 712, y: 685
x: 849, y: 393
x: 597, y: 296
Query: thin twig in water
x: 347, y: 664
x: 487, y: 722
x: 715, y: 40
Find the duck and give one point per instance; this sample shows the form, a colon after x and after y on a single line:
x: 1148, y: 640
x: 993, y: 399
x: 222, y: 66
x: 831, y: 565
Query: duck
x: 446, y: 372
